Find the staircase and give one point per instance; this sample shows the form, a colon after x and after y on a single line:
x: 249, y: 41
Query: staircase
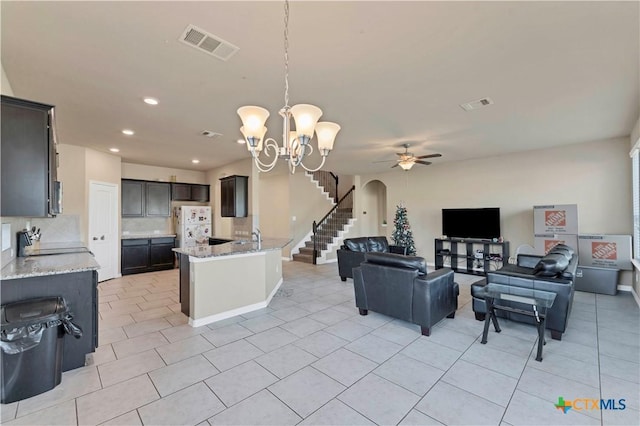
x: 330, y: 228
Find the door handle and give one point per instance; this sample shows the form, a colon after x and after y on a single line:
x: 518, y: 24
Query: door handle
x: 95, y: 238
x: 102, y: 238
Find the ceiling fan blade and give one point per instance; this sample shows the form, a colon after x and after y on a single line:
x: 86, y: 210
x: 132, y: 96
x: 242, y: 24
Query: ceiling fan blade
x: 395, y: 165
x: 383, y: 161
x: 430, y: 156
x: 426, y: 163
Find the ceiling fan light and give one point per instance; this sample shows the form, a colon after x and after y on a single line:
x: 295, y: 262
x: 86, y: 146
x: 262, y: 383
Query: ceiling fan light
x: 305, y: 116
x: 326, y: 132
x: 406, y: 164
x: 253, y: 119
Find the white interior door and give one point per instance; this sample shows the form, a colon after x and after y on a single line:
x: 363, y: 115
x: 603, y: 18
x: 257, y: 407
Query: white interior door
x: 103, y: 227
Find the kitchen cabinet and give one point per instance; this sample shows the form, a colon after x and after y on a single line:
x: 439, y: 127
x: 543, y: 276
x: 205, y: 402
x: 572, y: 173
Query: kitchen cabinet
x: 190, y: 192
x: 147, y: 254
x: 234, y: 196
x: 80, y: 291
x: 145, y: 198
x: 29, y: 159
x: 158, y: 199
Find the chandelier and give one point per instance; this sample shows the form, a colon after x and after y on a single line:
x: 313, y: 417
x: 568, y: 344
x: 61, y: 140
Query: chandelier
x: 296, y: 144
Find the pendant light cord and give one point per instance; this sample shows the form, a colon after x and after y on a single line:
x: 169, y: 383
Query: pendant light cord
x: 286, y: 53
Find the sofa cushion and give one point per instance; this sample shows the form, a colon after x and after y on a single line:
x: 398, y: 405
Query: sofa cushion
x: 551, y: 265
x: 378, y: 244
x: 356, y: 244
x: 562, y: 249
x: 398, y: 261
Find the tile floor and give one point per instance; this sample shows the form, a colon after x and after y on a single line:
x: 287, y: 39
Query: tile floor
x: 309, y: 358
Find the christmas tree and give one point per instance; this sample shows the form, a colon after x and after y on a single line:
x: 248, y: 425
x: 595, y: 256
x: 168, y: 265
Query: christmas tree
x: 402, y: 235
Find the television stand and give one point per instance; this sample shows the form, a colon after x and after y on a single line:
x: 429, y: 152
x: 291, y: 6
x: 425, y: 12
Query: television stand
x: 470, y: 256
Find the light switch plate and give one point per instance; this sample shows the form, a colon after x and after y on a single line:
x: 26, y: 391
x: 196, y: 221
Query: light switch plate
x: 6, y: 236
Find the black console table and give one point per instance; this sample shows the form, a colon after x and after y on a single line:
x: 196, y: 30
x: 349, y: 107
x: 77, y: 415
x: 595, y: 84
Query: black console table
x: 476, y: 255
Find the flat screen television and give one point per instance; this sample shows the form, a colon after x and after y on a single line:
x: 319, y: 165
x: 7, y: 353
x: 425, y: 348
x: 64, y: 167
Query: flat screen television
x: 480, y: 224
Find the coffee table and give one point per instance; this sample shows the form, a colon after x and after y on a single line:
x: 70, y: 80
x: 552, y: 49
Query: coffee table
x: 524, y: 301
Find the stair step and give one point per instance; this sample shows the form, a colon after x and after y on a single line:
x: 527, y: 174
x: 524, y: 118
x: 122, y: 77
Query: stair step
x: 305, y: 258
x: 306, y: 250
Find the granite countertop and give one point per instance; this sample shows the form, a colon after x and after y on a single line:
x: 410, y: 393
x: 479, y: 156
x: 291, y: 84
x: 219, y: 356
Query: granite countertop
x: 35, y: 266
x: 234, y: 247
x: 152, y: 235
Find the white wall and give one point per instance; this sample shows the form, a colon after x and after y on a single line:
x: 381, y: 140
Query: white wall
x: 162, y: 174
x: 594, y: 175
x: 275, y: 220
x: 226, y: 226
x: 5, y: 85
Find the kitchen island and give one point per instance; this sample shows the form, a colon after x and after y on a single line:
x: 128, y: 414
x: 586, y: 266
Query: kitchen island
x: 225, y: 280
x: 73, y: 276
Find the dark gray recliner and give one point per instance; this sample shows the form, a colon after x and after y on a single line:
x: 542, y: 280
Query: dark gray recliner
x: 399, y: 286
x: 351, y: 253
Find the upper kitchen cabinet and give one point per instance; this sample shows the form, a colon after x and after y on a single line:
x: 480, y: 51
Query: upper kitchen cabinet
x: 190, y: 192
x: 29, y: 159
x: 234, y: 196
x: 145, y: 199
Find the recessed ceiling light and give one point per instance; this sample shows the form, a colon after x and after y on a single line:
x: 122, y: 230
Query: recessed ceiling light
x: 151, y: 101
x: 240, y: 141
x: 114, y: 150
x: 195, y: 161
x: 128, y: 132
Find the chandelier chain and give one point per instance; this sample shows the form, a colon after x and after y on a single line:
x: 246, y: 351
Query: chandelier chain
x: 286, y: 53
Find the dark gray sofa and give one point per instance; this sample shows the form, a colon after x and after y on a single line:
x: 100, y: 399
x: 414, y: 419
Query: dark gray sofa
x: 399, y: 286
x: 553, y: 272
x: 351, y: 253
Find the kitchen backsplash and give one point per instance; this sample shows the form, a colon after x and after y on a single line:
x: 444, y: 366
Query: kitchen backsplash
x: 146, y: 225
x: 59, y: 229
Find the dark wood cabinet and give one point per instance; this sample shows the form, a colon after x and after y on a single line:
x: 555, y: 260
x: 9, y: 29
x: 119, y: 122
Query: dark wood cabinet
x: 133, y: 198
x: 190, y: 192
x: 135, y: 256
x: 147, y: 254
x: 79, y: 289
x: 161, y: 255
x: 181, y: 192
x: 145, y: 198
x: 200, y: 193
x: 234, y: 192
x: 28, y: 157
x: 158, y: 199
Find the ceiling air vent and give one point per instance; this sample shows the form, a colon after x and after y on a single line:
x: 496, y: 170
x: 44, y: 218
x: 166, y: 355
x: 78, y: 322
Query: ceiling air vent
x: 210, y: 134
x: 208, y: 43
x: 480, y: 103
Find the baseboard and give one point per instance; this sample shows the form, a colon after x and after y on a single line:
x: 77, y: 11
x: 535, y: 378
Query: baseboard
x: 633, y: 292
x: 235, y: 312
x: 228, y: 314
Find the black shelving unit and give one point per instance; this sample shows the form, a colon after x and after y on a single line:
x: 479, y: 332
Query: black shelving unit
x: 460, y: 255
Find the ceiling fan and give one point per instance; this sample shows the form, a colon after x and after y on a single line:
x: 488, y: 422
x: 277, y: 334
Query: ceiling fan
x: 406, y: 159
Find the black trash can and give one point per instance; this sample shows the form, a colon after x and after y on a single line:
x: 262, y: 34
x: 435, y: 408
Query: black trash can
x: 31, y: 342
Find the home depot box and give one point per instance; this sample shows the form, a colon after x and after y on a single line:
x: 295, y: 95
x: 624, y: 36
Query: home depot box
x: 597, y: 280
x: 606, y: 251
x: 555, y: 219
x: 545, y: 242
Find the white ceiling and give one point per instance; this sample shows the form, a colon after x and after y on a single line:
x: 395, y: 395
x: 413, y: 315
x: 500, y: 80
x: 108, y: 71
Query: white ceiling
x: 388, y: 72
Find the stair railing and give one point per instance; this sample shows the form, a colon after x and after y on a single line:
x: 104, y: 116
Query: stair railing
x: 328, y: 181
x: 325, y: 229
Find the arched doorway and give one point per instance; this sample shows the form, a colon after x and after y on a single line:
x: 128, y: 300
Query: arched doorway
x: 374, y: 208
